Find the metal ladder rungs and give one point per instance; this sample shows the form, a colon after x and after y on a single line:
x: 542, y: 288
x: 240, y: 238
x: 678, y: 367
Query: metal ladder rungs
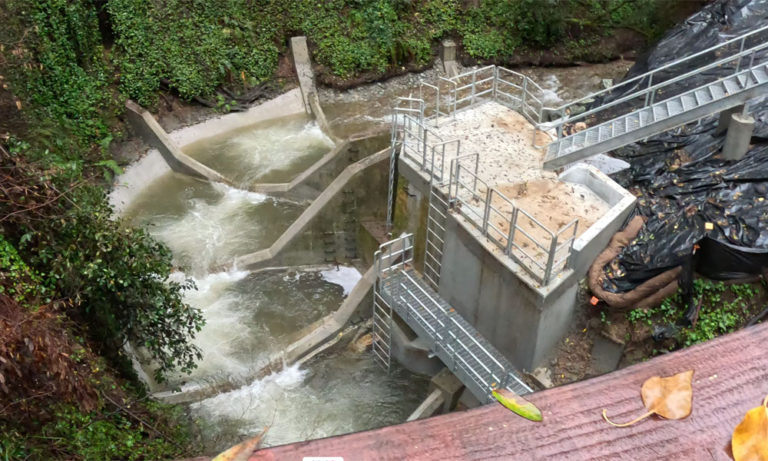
x: 711, y: 93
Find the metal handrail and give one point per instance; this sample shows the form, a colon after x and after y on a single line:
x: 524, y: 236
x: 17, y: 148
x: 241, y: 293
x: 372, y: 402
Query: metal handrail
x: 650, y: 73
x: 651, y: 90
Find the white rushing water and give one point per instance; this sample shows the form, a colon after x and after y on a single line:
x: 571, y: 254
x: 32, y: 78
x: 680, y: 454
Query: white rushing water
x: 265, y: 152
x: 345, y: 277
x: 252, y: 315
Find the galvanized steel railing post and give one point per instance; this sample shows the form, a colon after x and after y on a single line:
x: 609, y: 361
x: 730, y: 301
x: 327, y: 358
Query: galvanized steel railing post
x: 648, y: 93
x: 550, y: 260
x: 512, y: 226
x: 487, y: 210
x: 741, y: 50
x: 472, y: 97
x: 525, y: 91
x: 495, y: 81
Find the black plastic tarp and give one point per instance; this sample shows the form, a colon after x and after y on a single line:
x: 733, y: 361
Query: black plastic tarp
x: 688, y: 193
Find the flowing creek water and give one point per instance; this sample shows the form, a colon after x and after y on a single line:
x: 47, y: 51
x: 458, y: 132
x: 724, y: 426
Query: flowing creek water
x: 251, y: 315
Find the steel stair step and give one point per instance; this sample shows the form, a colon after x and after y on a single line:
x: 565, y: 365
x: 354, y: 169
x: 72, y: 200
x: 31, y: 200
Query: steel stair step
x: 718, y: 90
x: 760, y: 74
x: 732, y: 85
x: 675, y: 106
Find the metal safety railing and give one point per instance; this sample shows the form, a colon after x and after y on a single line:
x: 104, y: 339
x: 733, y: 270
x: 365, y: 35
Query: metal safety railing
x: 656, y: 85
x: 457, y: 344
x: 508, y: 226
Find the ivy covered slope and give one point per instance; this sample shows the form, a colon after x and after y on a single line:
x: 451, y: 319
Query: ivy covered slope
x: 195, y: 46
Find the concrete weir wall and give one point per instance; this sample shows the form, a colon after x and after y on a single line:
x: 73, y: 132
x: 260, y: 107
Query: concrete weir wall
x: 521, y: 318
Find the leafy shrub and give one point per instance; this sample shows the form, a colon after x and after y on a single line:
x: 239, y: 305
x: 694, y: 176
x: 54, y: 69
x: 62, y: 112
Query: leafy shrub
x: 59, y: 58
x: 724, y: 309
x: 195, y: 45
x: 92, y: 436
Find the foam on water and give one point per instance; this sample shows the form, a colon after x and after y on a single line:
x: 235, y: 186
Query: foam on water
x: 334, y: 395
x: 225, y: 328
x: 344, y: 276
x: 212, y: 229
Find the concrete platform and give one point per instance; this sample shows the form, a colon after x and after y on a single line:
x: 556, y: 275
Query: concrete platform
x: 501, y: 289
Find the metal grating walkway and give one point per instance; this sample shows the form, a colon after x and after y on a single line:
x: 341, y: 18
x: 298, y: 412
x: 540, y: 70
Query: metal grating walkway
x: 457, y: 343
x: 659, y: 117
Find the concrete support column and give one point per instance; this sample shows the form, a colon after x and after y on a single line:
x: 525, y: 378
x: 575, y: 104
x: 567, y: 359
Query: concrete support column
x: 303, y: 68
x: 448, y: 52
x: 738, y: 137
x: 725, y: 118
x: 450, y: 386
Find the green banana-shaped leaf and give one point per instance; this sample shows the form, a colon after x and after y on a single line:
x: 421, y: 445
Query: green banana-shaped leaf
x: 517, y: 404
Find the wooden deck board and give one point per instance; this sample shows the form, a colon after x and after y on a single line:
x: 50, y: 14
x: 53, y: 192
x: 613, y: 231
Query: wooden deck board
x: 731, y: 376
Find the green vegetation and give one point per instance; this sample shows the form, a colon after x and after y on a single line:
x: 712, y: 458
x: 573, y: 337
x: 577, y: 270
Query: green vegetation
x: 724, y: 308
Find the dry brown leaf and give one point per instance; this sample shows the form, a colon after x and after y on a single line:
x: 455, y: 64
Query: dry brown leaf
x: 242, y: 451
x: 670, y: 398
x: 750, y: 438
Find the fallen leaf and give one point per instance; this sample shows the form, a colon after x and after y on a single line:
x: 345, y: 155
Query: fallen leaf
x: 750, y: 438
x: 517, y: 404
x: 670, y: 398
x: 242, y: 451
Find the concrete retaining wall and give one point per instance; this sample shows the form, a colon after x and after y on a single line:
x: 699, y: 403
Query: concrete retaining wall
x: 519, y: 320
x: 153, y: 134
x: 596, y: 238
x: 286, y: 105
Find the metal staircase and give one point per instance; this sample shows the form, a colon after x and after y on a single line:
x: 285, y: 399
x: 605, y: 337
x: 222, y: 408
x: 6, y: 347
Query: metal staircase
x: 457, y: 343
x: 659, y: 117
x: 682, y: 91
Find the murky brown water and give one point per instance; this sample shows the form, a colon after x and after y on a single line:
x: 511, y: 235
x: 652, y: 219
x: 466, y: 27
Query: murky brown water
x: 249, y: 315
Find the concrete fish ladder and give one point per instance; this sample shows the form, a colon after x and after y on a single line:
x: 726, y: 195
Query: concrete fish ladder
x: 313, y: 339
x: 262, y: 257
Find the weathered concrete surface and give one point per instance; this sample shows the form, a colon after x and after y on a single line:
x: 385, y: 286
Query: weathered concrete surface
x: 738, y: 137
x: 135, y: 178
x: 725, y: 118
x: 259, y: 258
x: 596, y: 238
x: 153, y: 134
x: 523, y: 322
x: 303, y: 65
x: 285, y: 105
x: 448, y: 52
x: 519, y: 317
x: 412, y: 352
x: 450, y: 386
x: 322, y: 121
x: 429, y: 406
